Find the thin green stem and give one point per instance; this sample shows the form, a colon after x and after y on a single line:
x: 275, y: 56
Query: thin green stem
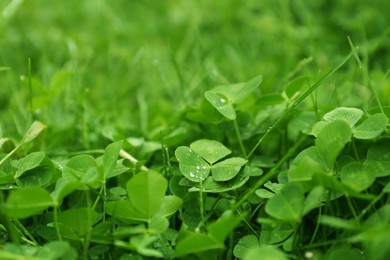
x: 323, y: 243
x: 269, y: 174
x: 295, y: 235
x: 104, y: 201
x: 179, y: 74
x: 167, y: 161
x: 229, y: 255
x: 355, y: 151
x: 9, y: 154
x: 352, y: 208
x: 365, y: 74
x: 56, y: 225
x: 27, y: 237
x: 243, y: 150
x: 248, y: 224
x: 370, y: 205
x: 165, y: 157
x: 316, y: 228
x: 263, y: 137
x: 86, y: 245
x: 314, y: 99
x: 85, y: 127
x: 87, y: 236
x: 299, y: 100
x: 6, y: 222
x: 201, y: 208
x: 212, y: 208
x: 99, y: 195
x: 163, y: 247
x: 29, y: 76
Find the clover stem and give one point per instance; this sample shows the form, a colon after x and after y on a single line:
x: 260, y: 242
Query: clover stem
x: 316, y: 227
x: 352, y: 208
x: 201, y: 209
x: 56, y: 225
x: 239, y: 137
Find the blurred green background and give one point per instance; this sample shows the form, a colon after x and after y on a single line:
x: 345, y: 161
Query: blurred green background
x: 103, y: 70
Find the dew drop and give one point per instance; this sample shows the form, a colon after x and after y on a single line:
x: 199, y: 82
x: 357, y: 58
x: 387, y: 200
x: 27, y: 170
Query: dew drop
x: 222, y: 100
x: 192, y: 174
x: 198, y: 167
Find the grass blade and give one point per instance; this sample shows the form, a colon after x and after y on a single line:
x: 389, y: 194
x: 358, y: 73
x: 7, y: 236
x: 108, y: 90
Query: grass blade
x: 299, y: 100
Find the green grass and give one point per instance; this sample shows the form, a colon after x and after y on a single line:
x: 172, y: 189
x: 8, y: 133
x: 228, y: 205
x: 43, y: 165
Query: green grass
x: 194, y: 129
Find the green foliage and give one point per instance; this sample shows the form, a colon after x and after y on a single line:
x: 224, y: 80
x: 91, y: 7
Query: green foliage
x: 265, y: 253
x: 244, y: 245
x: 192, y: 165
x: 27, y: 202
x: 287, y: 205
x: 147, y: 199
x: 222, y: 98
x: 217, y: 232
x: 139, y: 129
x: 202, y: 156
x: 52, y: 250
x: 372, y: 127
